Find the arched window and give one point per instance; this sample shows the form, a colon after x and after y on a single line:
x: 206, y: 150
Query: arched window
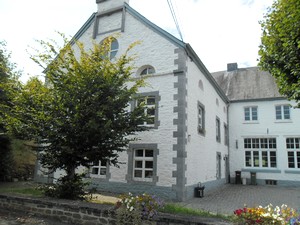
x: 147, y: 70
x: 114, y: 46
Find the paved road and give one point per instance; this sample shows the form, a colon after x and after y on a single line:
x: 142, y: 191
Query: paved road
x: 231, y: 197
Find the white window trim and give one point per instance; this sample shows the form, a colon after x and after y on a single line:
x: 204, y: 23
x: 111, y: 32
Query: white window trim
x: 283, y: 120
x: 251, y: 114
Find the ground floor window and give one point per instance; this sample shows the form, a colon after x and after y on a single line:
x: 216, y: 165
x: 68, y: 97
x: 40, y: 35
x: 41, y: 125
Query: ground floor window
x: 98, y: 169
x: 142, y: 163
x: 260, y: 152
x: 293, y: 152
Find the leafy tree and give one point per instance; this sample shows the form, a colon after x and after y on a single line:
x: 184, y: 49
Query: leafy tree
x: 80, y: 114
x: 9, y: 87
x: 9, y: 84
x: 280, y: 48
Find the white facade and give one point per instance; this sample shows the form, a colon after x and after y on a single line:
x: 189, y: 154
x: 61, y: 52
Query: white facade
x: 265, y: 127
x: 198, y: 135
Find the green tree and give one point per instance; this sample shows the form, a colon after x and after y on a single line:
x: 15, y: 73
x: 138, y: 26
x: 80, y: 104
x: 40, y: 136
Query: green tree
x: 80, y: 114
x: 280, y: 46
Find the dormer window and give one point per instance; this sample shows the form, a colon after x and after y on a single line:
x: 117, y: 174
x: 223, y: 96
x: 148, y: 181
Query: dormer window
x: 147, y: 70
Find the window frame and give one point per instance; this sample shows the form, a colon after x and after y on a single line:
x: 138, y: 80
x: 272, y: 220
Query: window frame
x: 260, y: 152
x: 252, y: 113
x: 226, y: 135
x: 156, y: 96
x: 293, y: 152
x: 201, y: 118
x: 132, y: 159
x: 282, y: 112
x: 99, y: 166
x: 218, y: 130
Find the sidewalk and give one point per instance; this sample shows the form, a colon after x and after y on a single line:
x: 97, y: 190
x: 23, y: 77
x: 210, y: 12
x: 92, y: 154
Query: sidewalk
x: 231, y: 197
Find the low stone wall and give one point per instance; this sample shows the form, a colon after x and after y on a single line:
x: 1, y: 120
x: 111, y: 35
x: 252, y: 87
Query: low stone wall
x: 77, y: 212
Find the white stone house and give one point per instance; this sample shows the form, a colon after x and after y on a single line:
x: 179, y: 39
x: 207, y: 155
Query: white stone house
x: 263, y: 128
x: 188, y: 140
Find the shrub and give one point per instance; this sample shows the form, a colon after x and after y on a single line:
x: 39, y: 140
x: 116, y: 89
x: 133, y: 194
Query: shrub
x: 66, y: 188
x: 132, y: 209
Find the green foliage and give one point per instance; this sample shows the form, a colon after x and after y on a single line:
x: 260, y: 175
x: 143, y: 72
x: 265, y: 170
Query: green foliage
x: 24, y: 159
x: 80, y: 114
x: 6, y: 159
x: 9, y: 85
x: 280, y: 46
x: 66, y: 188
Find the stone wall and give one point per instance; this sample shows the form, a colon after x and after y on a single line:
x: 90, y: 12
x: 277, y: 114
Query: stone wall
x: 77, y: 212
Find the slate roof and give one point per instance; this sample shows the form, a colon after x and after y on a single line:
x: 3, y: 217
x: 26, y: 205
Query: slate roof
x: 247, y: 84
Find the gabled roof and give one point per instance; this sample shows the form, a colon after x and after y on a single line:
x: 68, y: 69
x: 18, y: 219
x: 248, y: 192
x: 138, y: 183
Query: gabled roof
x: 188, y: 49
x: 247, y: 84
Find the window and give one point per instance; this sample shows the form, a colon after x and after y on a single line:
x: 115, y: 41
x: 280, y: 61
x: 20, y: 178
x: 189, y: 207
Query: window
x: 226, y: 135
x: 150, y: 103
x: 98, y: 169
x: 282, y: 112
x: 149, y: 110
x: 218, y: 172
x: 218, y: 130
x: 260, y: 152
x: 148, y: 70
x: 250, y: 113
x: 201, y: 118
x: 293, y: 151
x: 143, y: 164
x: 114, y: 46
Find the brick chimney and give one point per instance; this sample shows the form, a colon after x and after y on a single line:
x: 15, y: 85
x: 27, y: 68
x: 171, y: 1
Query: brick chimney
x: 232, y: 67
x: 107, y: 5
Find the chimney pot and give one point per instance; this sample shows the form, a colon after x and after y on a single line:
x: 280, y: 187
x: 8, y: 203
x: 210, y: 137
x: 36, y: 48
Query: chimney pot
x: 232, y: 67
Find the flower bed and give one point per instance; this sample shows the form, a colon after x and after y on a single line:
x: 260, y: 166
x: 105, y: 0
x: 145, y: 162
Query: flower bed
x: 268, y: 215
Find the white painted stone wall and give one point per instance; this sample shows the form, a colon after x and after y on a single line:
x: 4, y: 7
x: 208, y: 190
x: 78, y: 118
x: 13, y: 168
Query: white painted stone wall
x: 159, y: 53
x: 202, y: 150
x: 267, y: 126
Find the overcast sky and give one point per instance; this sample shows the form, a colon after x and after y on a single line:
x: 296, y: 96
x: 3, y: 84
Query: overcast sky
x: 220, y: 31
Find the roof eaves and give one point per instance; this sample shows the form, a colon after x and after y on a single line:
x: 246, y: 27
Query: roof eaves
x: 258, y: 99
x: 154, y: 27
x: 206, y: 73
x: 84, y: 27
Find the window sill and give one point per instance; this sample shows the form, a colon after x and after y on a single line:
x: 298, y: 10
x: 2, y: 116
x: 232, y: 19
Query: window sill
x: 250, y: 122
x: 261, y: 170
x: 293, y: 171
x: 283, y: 121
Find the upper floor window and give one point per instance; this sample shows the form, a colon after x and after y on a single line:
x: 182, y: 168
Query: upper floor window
x: 113, y: 48
x: 250, y: 113
x: 201, y: 118
x: 218, y: 130
x: 226, y: 134
x: 293, y: 151
x: 150, y: 103
x: 282, y: 112
x: 147, y: 70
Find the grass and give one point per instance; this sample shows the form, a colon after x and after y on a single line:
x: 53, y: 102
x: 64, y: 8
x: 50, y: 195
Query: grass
x: 22, y: 188
x: 181, y: 210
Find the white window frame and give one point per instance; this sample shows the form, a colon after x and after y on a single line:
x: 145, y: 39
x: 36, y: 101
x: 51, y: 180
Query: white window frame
x: 260, y: 152
x: 282, y: 110
x: 100, y: 166
x: 252, y: 112
x: 148, y: 108
x: 147, y: 71
x: 143, y: 169
x: 293, y: 151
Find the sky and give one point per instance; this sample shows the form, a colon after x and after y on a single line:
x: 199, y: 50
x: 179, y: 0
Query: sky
x: 220, y: 31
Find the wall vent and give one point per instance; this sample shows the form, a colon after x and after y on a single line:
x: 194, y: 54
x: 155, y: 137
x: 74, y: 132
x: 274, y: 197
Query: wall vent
x: 271, y: 182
